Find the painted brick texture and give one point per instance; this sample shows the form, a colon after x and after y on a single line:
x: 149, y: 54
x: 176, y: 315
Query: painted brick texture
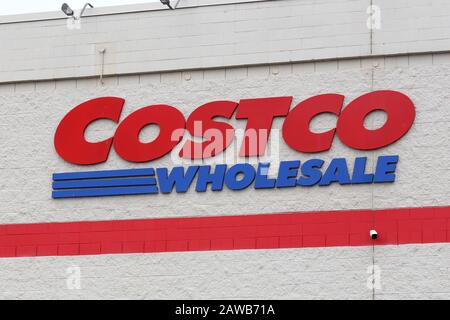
x: 269, y: 231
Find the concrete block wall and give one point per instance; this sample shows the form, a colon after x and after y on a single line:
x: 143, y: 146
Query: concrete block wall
x: 207, y: 34
x: 38, y: 89
x: 32, y: 110
x: 405, y: 272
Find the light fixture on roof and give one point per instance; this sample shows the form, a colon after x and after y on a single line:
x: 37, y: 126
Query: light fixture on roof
x: 167, y: 3
x: 70, y: 13
x: 67, y: 10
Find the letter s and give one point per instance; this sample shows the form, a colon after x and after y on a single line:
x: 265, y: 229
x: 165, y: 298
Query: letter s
x: 217, y: 135
x: 70, y: 142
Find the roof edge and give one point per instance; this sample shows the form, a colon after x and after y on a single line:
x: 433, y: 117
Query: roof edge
x: 122, y: 9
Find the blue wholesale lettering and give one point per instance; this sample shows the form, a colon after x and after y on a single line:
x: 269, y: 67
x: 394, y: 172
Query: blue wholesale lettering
x: 291, y: 174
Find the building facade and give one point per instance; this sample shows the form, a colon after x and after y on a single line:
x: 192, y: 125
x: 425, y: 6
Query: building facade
x: 212, y: 242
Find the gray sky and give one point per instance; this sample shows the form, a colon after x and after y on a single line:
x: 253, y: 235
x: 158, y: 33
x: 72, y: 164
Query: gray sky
x: 28, y: 6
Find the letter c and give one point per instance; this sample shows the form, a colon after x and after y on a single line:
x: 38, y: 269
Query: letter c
x: 69, y: 140
x: 296, y: 132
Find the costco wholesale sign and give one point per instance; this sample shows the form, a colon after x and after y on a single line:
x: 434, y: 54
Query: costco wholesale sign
x: 217, y: 136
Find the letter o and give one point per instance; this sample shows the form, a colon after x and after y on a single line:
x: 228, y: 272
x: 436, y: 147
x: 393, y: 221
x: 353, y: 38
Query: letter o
x: 400, y: 117
x: 126, y: 139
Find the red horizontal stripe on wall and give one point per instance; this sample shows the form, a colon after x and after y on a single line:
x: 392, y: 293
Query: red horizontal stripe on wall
x: 263, y: 231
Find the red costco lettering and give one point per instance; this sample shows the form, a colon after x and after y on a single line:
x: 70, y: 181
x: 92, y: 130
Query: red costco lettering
x: 400, y: 117
x: 72, y: 146
x: 296, y: 131
x: 69, y: 137
x: 218, y: 135
x: 167, y: 118
x: 260, y: 114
